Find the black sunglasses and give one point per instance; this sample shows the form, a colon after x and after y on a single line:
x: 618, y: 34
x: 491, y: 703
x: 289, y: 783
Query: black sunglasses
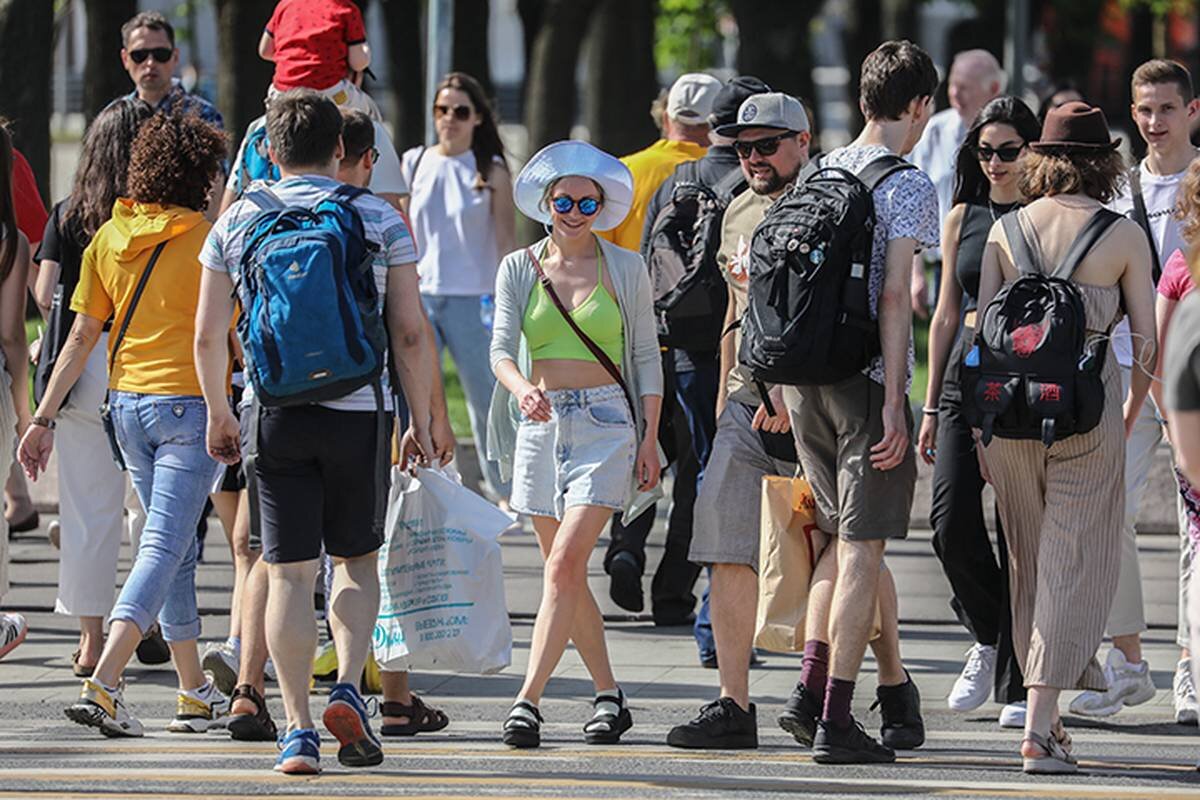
x: 161, y: 54
x: 461, y: 113
x: 765, y: 147
x: 563, y: 204
x: 1007, y: 154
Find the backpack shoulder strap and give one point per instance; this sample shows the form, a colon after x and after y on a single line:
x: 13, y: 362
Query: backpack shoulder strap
x: 412, y: 179
x: 878, y: 170
x: 1022, y: 254
x: 1142, y: 218
x: 731, y: 185
x: 1092, y: 230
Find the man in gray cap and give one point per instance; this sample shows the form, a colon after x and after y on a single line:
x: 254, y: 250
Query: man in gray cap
x: 691, y: 378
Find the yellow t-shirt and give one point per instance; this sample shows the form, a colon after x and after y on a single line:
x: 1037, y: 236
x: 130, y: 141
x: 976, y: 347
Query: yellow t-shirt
x: 156, y: 354
x: 650, y: 167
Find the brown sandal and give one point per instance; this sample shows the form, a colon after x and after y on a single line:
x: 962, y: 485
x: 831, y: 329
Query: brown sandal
x: 1056, y: 761
x: 79, y: 669
x: 421, y: 718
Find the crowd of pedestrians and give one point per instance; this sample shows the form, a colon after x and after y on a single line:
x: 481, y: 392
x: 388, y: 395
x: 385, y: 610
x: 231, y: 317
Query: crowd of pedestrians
x: 265, y: 333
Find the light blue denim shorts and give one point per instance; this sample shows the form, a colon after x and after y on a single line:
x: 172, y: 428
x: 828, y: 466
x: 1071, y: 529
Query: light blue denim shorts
x: 584, y: 456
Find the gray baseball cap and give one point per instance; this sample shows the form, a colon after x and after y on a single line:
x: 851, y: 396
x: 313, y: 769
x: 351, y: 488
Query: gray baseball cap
x: 771, y: 110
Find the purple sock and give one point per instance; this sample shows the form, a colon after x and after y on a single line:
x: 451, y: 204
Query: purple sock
x: 814, y: 670
x: 838, y: 694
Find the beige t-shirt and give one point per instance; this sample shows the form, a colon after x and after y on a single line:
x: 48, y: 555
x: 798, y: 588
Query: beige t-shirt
x: 739, y: 222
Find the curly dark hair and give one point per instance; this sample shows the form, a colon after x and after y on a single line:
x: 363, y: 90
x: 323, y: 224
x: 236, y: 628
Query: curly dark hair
x: 174, y: 160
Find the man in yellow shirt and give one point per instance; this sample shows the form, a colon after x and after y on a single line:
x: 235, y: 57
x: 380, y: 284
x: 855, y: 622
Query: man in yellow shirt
x: 685, y: 138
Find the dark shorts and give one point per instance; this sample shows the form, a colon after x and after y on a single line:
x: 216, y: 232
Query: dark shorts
x: 319, y: 474
x: 835, y: 427
x: 233, y: 479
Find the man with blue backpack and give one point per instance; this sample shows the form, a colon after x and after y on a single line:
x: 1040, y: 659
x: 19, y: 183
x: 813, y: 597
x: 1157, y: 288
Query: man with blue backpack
x: 325, y: 276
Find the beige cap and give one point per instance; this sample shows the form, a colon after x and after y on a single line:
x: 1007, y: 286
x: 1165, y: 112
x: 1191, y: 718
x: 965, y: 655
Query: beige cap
x: 691, y: 98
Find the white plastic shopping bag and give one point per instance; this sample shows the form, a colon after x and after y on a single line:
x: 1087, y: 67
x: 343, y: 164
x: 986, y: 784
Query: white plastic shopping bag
x: 441, y: 578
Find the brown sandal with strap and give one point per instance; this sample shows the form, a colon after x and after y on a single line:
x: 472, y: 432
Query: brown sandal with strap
x: 421, y: 718
x: 1056, y: 761
x: 79, y: 669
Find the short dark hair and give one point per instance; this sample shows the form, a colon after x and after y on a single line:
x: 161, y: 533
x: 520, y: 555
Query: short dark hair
x: 147, y: 19
x: 303, y: 127
x: 893, y: 75
x: 358, y: 134
x: 1161, y: 70
x: 174, y: 159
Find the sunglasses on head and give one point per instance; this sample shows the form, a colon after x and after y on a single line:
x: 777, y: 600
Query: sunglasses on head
x: 764, y: 147
x: 461, y: 113
x: 1007, y: 154
x: 161, y: 54
x: 563, y: 204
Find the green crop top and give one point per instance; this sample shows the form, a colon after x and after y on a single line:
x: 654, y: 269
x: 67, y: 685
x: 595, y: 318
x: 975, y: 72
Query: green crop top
x: 550, y: 337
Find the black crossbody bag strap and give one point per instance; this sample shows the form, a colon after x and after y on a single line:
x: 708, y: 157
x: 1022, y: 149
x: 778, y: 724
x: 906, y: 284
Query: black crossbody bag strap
x: 1142, y: 218
x: 106, y: 410
x: 592, y: 347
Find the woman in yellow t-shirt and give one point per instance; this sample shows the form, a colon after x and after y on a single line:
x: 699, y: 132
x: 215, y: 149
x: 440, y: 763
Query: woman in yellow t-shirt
x: 142, y: 270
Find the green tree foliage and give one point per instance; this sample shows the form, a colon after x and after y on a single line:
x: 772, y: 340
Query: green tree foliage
x: 686, y: 35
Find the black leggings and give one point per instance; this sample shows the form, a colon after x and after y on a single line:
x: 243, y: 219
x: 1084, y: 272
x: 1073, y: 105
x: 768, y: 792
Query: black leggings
x: 978, y: 579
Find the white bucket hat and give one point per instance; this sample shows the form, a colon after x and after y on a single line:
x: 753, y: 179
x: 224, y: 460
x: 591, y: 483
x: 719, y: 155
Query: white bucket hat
x: 574, y: 158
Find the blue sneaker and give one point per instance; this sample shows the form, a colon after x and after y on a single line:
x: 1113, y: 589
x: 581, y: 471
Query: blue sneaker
x: 299, y: 753
x: 347, y: 719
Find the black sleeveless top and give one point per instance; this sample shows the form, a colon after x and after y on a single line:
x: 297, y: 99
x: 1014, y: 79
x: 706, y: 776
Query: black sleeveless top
x: 968, y: 263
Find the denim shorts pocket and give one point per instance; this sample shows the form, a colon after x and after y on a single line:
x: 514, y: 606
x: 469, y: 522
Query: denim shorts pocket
x: 181, y: 420
x: 609, y: 414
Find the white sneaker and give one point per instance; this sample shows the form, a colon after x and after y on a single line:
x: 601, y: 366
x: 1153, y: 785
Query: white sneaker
x: 104, y: 709
x: 221, y: 660
x: 13, y: 629
x: 974, y: 685
x: 1187, y: 709
x: 198, y: 710
x: 1128, y: 685
x: 269, y: 671
x: 1013, y: 715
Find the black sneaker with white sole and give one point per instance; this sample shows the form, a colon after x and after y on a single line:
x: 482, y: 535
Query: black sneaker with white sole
x: 848, y: 745
x: 720, y: 725
x: 800, y: 714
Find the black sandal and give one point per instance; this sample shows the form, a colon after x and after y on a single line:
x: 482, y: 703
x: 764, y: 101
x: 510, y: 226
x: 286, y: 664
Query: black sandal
x: 610, y: 719
x: 523, y: 728
x: 256, y: 727
x: 421, y: 718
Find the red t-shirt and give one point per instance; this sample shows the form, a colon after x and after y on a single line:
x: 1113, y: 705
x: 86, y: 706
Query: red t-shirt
x: 1176, y: 280
x: 27, y: 201
x: 312, y: 39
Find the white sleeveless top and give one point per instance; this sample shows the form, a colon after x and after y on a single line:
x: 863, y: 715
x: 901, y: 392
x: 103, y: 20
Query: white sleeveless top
x: 452, y: 223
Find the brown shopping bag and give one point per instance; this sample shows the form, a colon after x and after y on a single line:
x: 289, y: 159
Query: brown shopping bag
x: 786, y: 559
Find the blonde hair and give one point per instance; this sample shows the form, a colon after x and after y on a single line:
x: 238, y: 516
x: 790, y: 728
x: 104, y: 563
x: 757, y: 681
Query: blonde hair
x: 1187, y: 211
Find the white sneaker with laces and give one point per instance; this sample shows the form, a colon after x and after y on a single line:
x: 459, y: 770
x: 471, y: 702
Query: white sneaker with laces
x: 13, y: 629
x: 105, y: 709
x: 198, y: 710
x: 221, y: 660
x: 974, y: 685
x: 1013, y: 715
x: 269, y: 671
x: 1187, y: 709
x: 1128, y: 685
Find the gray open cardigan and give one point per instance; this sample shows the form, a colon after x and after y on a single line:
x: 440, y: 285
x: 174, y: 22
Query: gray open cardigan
x: 641, y: 364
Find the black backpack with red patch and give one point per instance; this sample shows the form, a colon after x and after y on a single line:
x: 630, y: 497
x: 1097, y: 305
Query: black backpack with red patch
x: 1035, y: 372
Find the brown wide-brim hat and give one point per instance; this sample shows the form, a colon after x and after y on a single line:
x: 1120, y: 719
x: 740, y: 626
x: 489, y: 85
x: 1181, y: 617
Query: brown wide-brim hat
x: 1075, y: 126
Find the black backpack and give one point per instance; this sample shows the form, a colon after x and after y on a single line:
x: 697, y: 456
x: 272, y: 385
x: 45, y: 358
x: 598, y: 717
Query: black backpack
x: 681, y: 253
x: 808, y: 319
x: 1035, y: 373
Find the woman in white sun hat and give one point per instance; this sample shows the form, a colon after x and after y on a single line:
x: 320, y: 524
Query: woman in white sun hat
x: 575, y: 410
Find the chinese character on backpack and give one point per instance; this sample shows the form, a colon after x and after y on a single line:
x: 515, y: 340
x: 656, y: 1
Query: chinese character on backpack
x: 311, y: 326
x: 808, y: 319
x: 690, y: 295
x: 1035, y: 372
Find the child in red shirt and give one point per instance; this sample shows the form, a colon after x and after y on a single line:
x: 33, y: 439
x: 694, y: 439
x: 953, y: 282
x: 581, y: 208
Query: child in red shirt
x: 319, y: 45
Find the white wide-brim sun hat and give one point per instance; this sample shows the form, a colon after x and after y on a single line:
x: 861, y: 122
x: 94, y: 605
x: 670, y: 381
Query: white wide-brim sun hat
x: 573, y: 158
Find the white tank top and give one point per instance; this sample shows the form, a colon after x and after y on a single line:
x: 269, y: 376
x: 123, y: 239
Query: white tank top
x: 452, y: 223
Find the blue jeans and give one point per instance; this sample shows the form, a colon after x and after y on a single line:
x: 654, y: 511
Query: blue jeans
x: 697, y: 393
x: 458, y: 325
x: 162, y: 439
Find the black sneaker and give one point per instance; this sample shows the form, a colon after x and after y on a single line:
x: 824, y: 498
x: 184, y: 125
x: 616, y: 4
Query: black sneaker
x: 720, y: 725
x: 849, y: 745
x: 625, y: 586
x: 800, y: 714
x: 152, y: 649
x: 900, y: 707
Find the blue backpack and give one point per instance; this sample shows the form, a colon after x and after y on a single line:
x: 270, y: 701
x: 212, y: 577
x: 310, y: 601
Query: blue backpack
x: 256, y: 162
x: 311, y: 326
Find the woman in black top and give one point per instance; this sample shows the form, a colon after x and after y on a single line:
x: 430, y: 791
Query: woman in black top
x: 989, y: 166
x: 91, y: 488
